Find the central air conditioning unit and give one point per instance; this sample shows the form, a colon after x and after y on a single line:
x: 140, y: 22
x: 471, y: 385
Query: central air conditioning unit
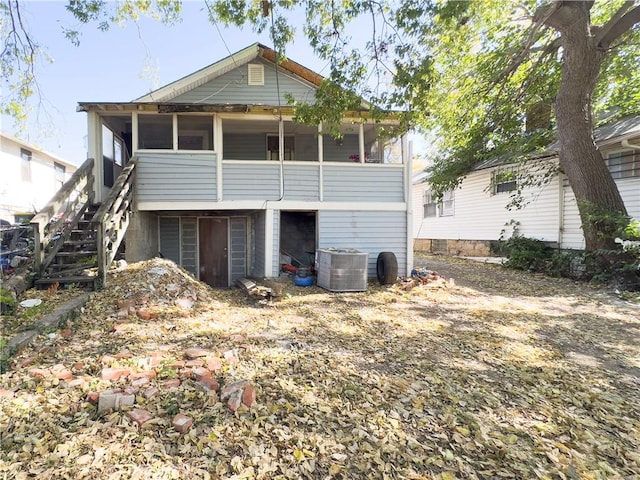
x: 341, y: 269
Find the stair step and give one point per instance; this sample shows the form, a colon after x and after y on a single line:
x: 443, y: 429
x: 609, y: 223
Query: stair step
x: 63, y: 280
x: 81, y: 242
x: 79, y: 253
x: 72, y: 266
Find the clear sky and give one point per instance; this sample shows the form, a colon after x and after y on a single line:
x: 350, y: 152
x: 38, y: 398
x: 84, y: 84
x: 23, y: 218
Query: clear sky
x: 120, y: 65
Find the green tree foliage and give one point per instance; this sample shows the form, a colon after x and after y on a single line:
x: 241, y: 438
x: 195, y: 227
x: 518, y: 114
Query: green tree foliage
x: 474, y: 72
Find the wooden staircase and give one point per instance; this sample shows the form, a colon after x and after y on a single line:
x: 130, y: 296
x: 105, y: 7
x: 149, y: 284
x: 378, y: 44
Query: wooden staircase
x: 76, y: 239
x: 77, y: 259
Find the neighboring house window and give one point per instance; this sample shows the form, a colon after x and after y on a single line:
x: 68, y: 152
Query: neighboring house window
x: 504, y: 181
x: 445, y: 207
x: 59, y: 172
x: 624, y: 164
x: 273, y: 147
x: 25, y: 165
x: 429, y: 204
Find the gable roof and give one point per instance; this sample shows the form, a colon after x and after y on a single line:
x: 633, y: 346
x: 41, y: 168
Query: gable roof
x: 244, y: 56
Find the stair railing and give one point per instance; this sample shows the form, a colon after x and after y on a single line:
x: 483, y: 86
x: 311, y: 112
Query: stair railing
x: 112, y: 219
x: 57, y: 219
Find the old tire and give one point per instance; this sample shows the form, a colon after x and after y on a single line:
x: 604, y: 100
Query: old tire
x: 387, y: 268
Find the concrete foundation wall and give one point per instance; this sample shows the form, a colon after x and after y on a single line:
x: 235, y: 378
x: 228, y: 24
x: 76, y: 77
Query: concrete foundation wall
x: 466, y: 248
x: 142, y: 237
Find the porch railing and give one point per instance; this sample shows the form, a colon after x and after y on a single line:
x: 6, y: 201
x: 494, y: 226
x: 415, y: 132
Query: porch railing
x: 55, y: 222
x: 112, y: 219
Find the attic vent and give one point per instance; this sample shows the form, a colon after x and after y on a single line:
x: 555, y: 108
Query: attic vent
x: 256, y: 74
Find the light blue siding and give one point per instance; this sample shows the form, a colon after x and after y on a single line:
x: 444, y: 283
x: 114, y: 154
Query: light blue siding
x: 339, y: 150
x: 359, y: 183
x: 302, y: 182
x: 170, y: 177
x: 257, y: 182
x: 232, y: 88
x: 370, y: 232
x: 258, y: 230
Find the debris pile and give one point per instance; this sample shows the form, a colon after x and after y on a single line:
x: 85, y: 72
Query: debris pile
x: 421, y: 276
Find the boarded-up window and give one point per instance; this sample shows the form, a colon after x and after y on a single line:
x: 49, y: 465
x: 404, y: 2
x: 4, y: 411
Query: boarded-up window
x: 25, y: 165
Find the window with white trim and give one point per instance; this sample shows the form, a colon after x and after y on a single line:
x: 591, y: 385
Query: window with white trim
x: 194, y: 132
x: 445, y: 207
x: 504, y: 181
x: 624, y: 164
x: 273, y: 147
x: 25, y: 165
x: 429, y: 204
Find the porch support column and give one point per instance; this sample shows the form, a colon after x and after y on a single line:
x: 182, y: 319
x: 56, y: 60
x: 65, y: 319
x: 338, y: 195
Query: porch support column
x: 407, y: 162
x: 320, y: 157
x: 361, y: 142
x: 94, y: 150
x: 218, y: 147
x: 268, y: 243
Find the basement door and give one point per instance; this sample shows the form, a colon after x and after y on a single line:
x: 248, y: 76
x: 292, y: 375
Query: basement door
x: 213, y: 251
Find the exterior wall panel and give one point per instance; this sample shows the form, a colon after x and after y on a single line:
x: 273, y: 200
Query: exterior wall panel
x: 302, y: 182
x: 189, y: 245
x: 170, y: 177
x: 254, y: 181
x: 259, y: 227
x: 170, y: 238
x: 370, y: 232
x: 362, y: 183
x: 238, y: 247
x: 232, y: 88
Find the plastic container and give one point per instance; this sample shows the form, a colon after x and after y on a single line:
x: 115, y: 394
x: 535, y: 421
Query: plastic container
x: 299, y: 281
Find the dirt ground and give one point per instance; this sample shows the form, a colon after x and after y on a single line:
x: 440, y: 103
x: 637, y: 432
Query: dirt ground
x: 498, y: 374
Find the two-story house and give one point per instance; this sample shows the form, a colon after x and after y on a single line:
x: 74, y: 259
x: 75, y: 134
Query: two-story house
x: 30, y: 177
x: 221, y: 179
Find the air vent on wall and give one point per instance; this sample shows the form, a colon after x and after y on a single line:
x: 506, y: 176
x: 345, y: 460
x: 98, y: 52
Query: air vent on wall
x: 256, y: 74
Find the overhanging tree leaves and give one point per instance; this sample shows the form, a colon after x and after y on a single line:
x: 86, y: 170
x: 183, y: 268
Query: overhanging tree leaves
x: 470, y: 71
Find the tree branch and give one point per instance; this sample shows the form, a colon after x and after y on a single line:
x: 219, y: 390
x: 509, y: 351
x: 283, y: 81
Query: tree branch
x: 621, y: 22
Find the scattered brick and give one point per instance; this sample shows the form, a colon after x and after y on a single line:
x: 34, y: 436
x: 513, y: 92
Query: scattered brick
x: 196, y: 362
x: 40, y: 372
x: 207, y: 383
x: 123, y: 354
x: 139, y: 416
x: 249, y: 396
x: 114, y: 373
x: 231, y: 356
x: 172, y: 383
x: 77, y: 382
x: 107, y: 359
x: 140, y: 382
x: 150, y: 392
x: 234, y: 400
x: 195, y: 352
x: 230, y: 388
x: 200, y: 372
x: 178, y: 364
x: 92, y: 397
x: 77, y: 366
x: 144, y: 314
x: 123, y: 313
x: 27, y: 361
x: 214, y: 364
x: 63, y: 374
x: 114, y: 399
x: 66, y: 333
x: 182, y: 423
x: 144, y: 374
x: 4, y: 393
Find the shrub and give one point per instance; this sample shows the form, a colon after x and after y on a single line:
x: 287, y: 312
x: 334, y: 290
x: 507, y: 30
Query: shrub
x: 525, y: 253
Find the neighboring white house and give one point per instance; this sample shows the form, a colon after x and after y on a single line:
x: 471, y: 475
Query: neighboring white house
x: 471, y: 217
x: 29, y: 178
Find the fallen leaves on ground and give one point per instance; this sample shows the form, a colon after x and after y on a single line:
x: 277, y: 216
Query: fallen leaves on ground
x: 535, y: 378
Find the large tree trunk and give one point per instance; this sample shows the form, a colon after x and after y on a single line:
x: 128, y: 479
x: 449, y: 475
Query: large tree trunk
x: 597, y: 194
